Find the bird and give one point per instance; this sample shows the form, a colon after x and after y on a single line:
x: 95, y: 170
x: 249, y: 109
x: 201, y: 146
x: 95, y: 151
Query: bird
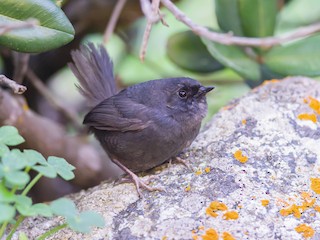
x: 143, y: 125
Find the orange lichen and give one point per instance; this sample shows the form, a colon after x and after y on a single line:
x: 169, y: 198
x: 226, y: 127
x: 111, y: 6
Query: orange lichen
x: 227, y: 236
x: 187, y: 188
x: 210, y: 234
x: 194, y: 237
x: 231, y: 215
x: 25, y: 107
x: 240, y: 157
x: 314, y: 104
x: 270, y: 81
x: 207, y: 169
x: 317, y: 208
x: 293, y: 209
x: 198, y: 172
x: 315, y: 185
x: 201, y: 227
x: 244, y: 121
x: 214, y: 207
x: 305, y: 230
x: 306, y: 116
x: 265, y: 202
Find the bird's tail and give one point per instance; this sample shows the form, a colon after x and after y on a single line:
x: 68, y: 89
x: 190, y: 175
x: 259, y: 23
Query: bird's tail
x: 94, y: 70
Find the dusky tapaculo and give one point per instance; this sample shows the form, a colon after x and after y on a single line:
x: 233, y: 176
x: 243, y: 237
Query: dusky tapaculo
x: 141, y: 126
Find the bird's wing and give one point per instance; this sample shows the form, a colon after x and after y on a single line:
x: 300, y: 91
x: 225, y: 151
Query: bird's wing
x: 118, y: 113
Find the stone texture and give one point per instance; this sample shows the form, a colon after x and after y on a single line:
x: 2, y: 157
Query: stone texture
x: 283, y: 154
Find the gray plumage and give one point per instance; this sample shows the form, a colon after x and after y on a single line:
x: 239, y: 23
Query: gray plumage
x: 143, y: 125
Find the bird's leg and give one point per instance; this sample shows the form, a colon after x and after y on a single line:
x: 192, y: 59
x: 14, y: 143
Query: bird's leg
x: 181, y: 161
x: 136, y: 180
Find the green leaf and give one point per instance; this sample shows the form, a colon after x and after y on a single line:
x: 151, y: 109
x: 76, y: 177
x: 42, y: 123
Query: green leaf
x: 3, y: 149
x: 187, y: 51
x: 5, y: 195
x: 34, y: 157
x: 14, y: 160
x: 8, y: 134
x: 258, y: 17
x: 227, y: 12
x: 17, y: 178
x: 85, y: 221
x: 23, y: 236
x: 54, y: 30
x: 62, y: 167
x: 34, y: 210
x: 42, y: 209
x: 64, y: 207
x: 235, y: 58
x: 7, y: 212
x: 298, y: 13
x: 298, y: 58
x: 47, y: 171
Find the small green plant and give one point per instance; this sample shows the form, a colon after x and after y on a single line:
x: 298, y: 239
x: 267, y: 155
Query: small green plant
x: 15, y: 183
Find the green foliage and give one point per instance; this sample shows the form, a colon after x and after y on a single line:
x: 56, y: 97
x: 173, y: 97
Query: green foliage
x: 14, y: 174
x: 256, y: 18
x: 54, y: 29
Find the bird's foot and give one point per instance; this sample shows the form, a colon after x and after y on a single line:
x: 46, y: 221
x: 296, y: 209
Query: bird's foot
x: 181, y: 161
x: 136, y: 180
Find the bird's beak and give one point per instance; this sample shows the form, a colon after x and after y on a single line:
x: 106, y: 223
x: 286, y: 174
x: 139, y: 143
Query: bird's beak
x: 204, y: 90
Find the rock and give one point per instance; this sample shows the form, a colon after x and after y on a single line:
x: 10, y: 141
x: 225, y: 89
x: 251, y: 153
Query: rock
x: 270, y: 191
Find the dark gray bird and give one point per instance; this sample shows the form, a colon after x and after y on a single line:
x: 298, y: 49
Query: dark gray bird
x: 143, y: 125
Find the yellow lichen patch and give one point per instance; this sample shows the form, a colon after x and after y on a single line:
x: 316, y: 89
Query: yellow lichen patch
x: 306, y: 116
x: 240, y: 157
x: 293, y: 209
x: 244, y: 121
x: 305, y: 230
x: 315, y: 185
x: 227, y: 236
x: 164, y: 238
x: 214, y: 207
x: 207, y: 169
x: 317, y: 208
x: 314, y: 104
x: 201, y: 227
x: 25, y: 107
x: 187, y: 188
x: 231, y: 215
x: 198, y: 172
x: 265, y: 202
x: 210, y: 234
x: 270, y: 81
x: 218, y: 206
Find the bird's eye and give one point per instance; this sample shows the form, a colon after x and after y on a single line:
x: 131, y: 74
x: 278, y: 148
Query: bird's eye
x: 182, y: 93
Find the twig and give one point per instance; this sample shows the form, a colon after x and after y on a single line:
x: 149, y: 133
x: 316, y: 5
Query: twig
x: 15, y: 87
x: 150, y: 21
x: 113, y: 20
x: 147, y: 10
x: 228, y: 39
x: 7, y: 27
x: 43, y: 90
x: 20, y: 61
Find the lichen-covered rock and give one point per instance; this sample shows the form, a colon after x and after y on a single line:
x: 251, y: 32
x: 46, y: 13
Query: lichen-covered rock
x: 257, y: 170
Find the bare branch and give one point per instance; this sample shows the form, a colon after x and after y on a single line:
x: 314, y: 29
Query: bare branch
x: 15, y: 87
x: 147, y: 31
x: 43, y: 90
x: 29, y: 23
x: 229, y: 39
x: 148, y: 11
x: 20, y: 61
x: 113, y: 20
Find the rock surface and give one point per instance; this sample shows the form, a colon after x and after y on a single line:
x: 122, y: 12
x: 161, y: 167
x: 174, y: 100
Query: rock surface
x: 283, y: 160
